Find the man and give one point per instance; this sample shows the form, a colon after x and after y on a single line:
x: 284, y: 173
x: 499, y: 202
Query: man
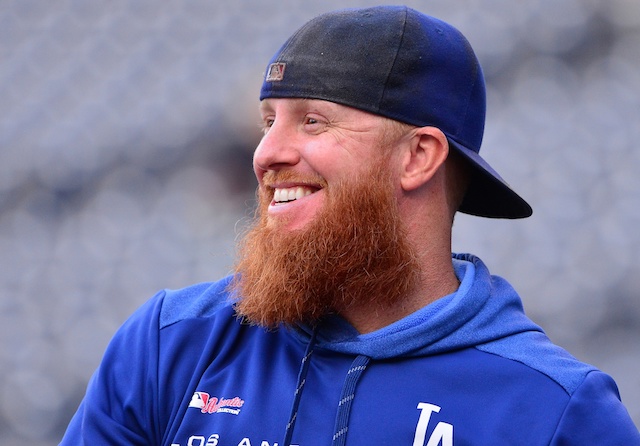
x: 348, y: 320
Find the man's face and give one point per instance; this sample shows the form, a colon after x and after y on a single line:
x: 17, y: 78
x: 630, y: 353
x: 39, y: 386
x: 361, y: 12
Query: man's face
x: 337, y: 242
x: 309, y: 145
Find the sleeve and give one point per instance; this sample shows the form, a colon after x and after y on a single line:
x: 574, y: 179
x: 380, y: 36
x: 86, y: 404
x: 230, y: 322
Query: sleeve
x: 119, y: 407
x: 595, y: 415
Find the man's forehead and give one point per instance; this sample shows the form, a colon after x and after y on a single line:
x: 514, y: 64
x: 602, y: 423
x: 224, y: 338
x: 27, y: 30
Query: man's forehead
x: 270, y: 103
x: 309, y: 104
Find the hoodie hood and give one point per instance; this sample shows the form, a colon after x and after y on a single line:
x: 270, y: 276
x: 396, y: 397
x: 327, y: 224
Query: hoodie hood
x: 462, y: 319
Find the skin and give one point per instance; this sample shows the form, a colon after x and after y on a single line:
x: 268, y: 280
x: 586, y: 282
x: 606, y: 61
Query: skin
x: 319, y: 142
x: 311, y: 138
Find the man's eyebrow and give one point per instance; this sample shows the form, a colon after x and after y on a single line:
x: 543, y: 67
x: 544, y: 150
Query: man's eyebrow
x: 265, y: 106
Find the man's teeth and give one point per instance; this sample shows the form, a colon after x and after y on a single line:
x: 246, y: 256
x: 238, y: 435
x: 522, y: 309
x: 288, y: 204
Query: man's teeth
x: 290, y: 194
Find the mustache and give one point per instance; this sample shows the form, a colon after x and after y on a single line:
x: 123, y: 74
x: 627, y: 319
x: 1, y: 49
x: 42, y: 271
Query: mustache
x: 273, y: 178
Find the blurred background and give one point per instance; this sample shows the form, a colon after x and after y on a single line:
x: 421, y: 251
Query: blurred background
x: 126, y: 135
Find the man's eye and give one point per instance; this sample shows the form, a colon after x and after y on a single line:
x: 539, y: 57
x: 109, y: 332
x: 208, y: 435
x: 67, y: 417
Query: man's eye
x: 310, y: 120
x: 266, y: 124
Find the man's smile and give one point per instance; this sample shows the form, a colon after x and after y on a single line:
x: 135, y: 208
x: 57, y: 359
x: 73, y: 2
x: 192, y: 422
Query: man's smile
x: 287, y: 194
x: 293, y: 203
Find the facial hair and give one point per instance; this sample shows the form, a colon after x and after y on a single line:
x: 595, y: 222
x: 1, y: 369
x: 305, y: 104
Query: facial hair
x: 355, y: 253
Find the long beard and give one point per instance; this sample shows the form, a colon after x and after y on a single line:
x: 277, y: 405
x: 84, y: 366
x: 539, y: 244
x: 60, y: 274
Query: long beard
x: 354, y: 253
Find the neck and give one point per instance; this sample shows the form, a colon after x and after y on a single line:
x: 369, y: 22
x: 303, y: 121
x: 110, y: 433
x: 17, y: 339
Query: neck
x: 431, y: 238
x: 437, y: 281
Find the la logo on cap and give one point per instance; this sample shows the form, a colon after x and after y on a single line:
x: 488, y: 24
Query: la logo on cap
x: 275, y: 72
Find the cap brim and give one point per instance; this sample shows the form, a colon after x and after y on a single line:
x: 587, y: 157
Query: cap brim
x: 488, y: 195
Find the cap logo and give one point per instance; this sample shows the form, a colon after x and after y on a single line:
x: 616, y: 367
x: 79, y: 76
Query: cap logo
x: 275, y: 72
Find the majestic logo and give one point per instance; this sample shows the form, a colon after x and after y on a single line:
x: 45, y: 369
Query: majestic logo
x: 209, y: 404
x: 275, y: 73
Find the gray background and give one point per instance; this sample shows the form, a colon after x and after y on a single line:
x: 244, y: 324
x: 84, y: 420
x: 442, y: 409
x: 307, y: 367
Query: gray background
x: 126, y: 133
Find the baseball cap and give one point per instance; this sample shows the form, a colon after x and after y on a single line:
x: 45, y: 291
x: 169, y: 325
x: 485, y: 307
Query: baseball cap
x: 396, y: 62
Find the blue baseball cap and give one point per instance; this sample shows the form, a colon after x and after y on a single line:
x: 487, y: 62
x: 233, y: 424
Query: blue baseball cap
x: 396, y: 62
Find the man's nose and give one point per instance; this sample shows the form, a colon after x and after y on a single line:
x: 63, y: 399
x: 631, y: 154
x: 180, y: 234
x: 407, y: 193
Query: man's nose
x: 277, y: 149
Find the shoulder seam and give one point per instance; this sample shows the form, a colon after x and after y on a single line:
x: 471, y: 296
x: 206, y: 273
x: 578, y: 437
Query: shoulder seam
x: 560, y: 366
x: 200, y: 300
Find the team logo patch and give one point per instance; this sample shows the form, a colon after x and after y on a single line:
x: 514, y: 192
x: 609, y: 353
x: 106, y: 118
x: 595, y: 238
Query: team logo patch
x: 208, y: 404
x: 275, y: 72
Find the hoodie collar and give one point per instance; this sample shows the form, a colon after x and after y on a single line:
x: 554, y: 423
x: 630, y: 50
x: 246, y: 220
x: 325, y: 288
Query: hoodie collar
x: 483, y: 309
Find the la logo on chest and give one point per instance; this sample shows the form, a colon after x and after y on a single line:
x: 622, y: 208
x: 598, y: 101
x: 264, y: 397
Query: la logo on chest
x: 442, y: 434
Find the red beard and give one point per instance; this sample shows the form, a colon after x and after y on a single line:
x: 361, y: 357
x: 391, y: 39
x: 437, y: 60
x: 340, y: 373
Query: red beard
x: 355, y: 253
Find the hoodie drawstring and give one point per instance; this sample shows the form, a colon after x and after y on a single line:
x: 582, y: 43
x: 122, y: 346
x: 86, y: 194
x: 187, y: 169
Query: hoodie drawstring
x: 348, y: 394
x: 354, y: 373
x: 302, y: 378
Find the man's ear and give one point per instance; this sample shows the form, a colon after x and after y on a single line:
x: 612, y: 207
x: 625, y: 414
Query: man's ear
x: 427, y: 151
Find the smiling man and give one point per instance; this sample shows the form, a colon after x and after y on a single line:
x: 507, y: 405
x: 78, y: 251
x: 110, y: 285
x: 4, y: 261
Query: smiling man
x: 348, y: 319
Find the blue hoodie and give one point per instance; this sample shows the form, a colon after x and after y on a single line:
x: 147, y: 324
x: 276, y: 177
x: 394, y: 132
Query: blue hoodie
x: 468, y: 369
